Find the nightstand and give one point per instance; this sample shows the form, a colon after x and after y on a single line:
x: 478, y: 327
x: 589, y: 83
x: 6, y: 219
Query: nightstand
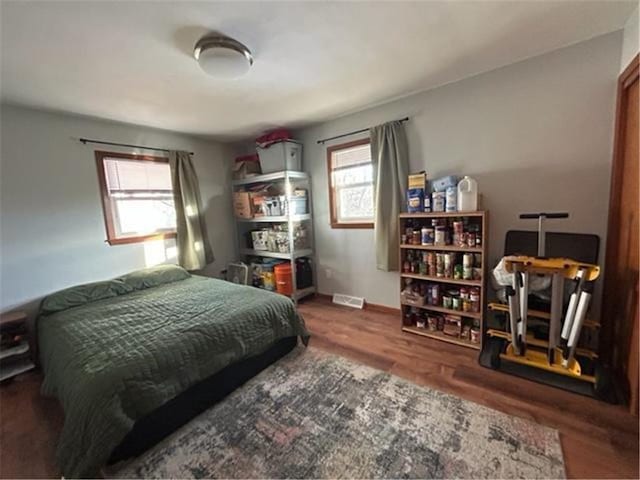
x: 15, y: 349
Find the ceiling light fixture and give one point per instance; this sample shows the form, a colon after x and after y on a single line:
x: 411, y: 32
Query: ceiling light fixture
x: 222, y: 57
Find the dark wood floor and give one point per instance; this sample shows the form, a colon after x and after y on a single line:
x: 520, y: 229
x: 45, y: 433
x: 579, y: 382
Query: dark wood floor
x: 598, y: 440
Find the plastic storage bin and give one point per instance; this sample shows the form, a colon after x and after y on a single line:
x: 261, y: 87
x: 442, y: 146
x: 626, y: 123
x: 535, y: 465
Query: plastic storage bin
x: 297, y: 205
x: 285, y: 155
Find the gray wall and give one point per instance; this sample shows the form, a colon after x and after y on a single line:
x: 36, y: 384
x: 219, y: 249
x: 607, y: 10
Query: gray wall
x: 631, y: 40
x: 536, y: 135
x: 52, y: 229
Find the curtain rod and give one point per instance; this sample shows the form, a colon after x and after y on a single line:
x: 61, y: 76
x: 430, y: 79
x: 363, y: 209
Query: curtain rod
x: 101, y: 142
x: 355, y: 132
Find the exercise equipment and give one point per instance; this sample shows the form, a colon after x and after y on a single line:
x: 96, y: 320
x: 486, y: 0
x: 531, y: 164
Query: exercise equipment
x: 547, y: 351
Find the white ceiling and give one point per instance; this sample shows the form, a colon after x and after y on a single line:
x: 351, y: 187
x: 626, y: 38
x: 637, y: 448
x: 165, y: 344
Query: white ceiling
x: 132, y: 61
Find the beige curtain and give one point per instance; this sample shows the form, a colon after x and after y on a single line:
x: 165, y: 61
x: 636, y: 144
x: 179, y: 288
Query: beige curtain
x: 194, y: 250
x: 390, y: 155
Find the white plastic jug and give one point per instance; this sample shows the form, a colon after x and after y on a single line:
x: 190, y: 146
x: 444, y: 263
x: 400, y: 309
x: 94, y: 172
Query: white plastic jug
x: 467, y: 195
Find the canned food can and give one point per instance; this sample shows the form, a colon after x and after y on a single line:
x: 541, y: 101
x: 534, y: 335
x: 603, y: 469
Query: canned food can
x: 466, y: 332
x: 475, y: 335
x: 463, y: 239
x: 434, y: 298
x: 446, y: 301
x: 456, y: 303
x: 471, y: 239
x: 439, y: 265
x: 466, y: 305
x: 474, y: 297
x: 431, y: 264
x: 448, y: 265
x: 467, y: 260
x: 458, y: 232
x: 427, y: 235
x: 477, y: 273
x: 457, y: 272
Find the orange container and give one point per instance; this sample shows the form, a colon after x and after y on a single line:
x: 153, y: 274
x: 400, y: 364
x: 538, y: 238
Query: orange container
x: 284, y: 278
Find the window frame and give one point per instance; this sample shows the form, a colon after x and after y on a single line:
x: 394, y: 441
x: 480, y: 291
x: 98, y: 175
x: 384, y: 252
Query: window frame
x: 333, y: 204
x: 108, y: 213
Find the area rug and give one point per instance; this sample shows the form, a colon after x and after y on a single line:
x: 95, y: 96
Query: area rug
x: 318, y: 415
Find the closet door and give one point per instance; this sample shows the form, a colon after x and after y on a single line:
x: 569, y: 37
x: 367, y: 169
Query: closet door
x: 620, y: 303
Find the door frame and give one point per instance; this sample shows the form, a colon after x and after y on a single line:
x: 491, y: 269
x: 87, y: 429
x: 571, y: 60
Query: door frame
x: 625, y: 80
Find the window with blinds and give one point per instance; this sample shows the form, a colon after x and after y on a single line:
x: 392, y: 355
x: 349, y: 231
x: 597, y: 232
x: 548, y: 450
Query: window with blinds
x: 351, y: 185
x: 137, y: 197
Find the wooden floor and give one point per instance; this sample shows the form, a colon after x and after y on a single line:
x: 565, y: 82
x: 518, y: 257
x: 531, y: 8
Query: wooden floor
x: 598, y: 440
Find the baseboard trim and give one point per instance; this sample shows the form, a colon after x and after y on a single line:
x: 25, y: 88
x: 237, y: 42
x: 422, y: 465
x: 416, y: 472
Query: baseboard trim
x: 374, y: 307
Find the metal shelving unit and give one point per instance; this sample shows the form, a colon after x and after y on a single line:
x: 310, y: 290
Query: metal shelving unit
x: 270, y: 177
x: 290, y: 180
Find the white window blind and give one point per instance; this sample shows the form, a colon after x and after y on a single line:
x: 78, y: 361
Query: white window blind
x: 351, y: 156
x: 137, y: 176
x: 352, y: 181
x: 141, y: 196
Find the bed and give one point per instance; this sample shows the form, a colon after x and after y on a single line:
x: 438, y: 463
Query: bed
x: 132, y: 358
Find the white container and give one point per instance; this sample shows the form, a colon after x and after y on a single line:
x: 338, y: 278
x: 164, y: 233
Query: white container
x: 467, y: 195
x: 438, y: 200
x: 284, y: 155
x: 450, y: 200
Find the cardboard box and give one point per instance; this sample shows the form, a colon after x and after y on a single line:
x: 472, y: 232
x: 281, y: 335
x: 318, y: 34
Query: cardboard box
x: 246, y: 166
x: 417, y: 180
x: 242, y: 205
x: 257, y: 204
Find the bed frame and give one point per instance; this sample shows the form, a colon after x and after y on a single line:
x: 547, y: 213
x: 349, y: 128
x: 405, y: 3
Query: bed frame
x: 152, y: 428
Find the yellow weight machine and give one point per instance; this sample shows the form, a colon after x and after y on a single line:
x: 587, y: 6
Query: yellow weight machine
x: 557, y: 354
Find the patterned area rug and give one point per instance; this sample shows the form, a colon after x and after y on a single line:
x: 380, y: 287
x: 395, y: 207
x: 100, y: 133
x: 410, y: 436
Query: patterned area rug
x: 317, y: 415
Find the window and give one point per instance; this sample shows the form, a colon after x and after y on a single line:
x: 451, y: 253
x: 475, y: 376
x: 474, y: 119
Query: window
x: 137, y: 197
x: 351, y: 185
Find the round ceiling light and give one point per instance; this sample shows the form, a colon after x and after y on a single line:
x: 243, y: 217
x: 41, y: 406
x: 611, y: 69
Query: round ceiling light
x: 222, y: 56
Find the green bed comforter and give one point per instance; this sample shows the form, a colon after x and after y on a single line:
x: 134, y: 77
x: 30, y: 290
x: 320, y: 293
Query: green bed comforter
x: 114, y: 360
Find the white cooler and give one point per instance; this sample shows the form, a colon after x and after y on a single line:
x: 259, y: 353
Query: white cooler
x: 284, y: 155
